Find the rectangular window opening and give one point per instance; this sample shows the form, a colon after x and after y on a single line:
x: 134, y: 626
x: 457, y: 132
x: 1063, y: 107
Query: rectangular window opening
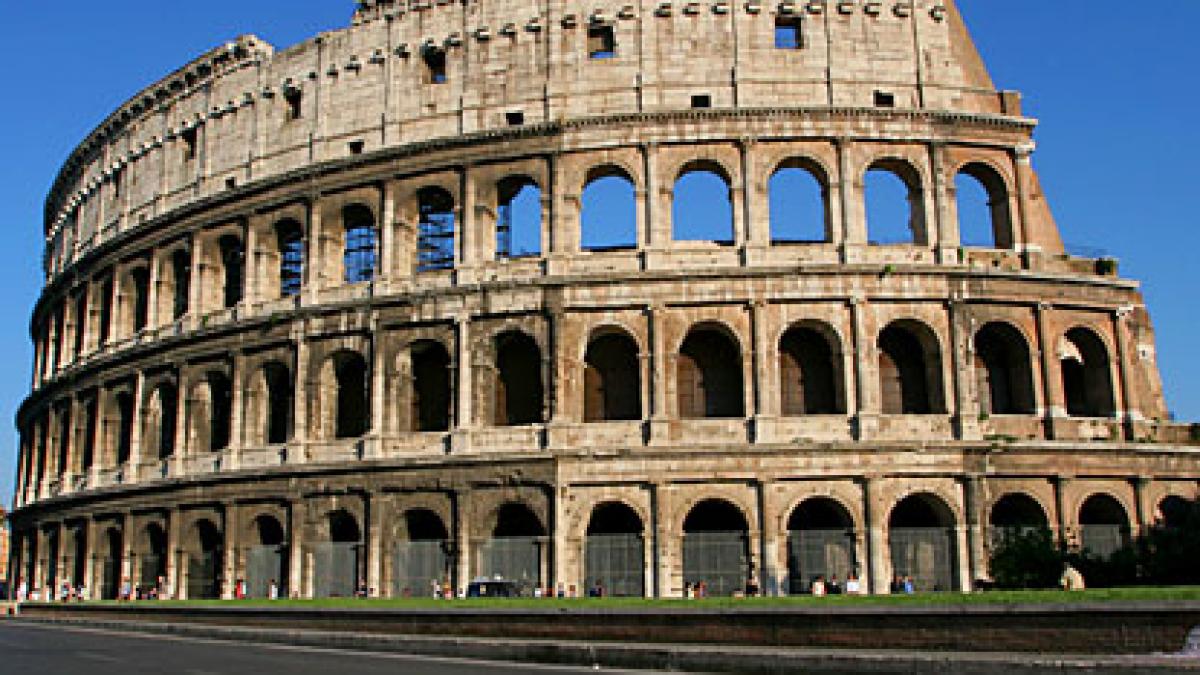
x: 356, y: 147
x: 885, y: 99
x: 701, y: 101
x: 230, y: 183
x: 295, y: 103
x: 189, y: 144
x: 602, y: 42
x: 515, y: 118
x: 435, y: 62
x: 787, y: 32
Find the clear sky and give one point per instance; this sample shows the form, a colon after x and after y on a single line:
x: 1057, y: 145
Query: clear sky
x: 1114, y: 88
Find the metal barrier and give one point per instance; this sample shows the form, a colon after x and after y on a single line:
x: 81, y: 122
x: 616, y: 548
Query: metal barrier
x: 818, y: 553
x: 416, y: 565
x: 335, y: 569
x: 617, y: 562
x: 719, y: 560
x: 926, y: 554
x: 264, y: 563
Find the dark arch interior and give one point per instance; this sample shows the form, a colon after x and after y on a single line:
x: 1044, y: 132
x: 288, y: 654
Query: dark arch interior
x: 519, y: 389
x: 156, y: 539
x: 709, y: 376
x: 907, y: 372
x: 181, y: 275
x: 270, y: 531
x: 820, y: 513
x: 425, y: 525
x: 614, y: 518
x: 1175, y: 511
x: 221, y: 401
x: 1018, y: 511
x: 279, y: 401
x: 1103, y: 510
x: 517, y: 520
x: 1087, y: 381
x: 612, y: 379
x: 1003, y: 371
x: 921, y: 511
x: 116, y: 545
x: 715, y: 515
x: 125, y: 426
x: 208, y: 536
x: 232, y: 261
x: 350, y: 369
x: 343, y: 528
x: 141, y: 301
x: 431, y: 386
x: 168, y: 400
x: 808, y: 382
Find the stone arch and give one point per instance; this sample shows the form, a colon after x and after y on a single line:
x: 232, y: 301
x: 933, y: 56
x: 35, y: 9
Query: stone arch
x: 436, y: 218
x: 1014, y: 514
x: 702, y: 203
x: 614, y: 551
x: 338, y: 557
x: 273, y: 396
x: 910, y: 369
x: 894, y: 203
x: 204, y: 545
x: 160, y: 420
x: 179, y: 265
x: 1086, y: 374
x: 431, y: 398
x: 152, y: 557
x: 923, y: 543
x: 516, y: 549
x: 1104, y: 526
x: 519, y: 390
x: 608, y: 209
x: 345, y: 395
x: 708, y: 375
x: 798, y: 201
x: 821, y: 543
x: 987, y: 224
x: 112, y: 556
x: 810, y: 370
x: 716, y: 548
x: 360, y: 252
x: 232, y: 254
x: 518, y: 217
x: 421, y: 561
x: 210, y: 411
x: 1003, y: 371
x: 612, y: 377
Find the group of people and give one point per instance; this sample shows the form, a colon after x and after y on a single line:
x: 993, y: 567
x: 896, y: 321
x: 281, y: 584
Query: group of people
x: 126, y: 592
x: 821, y: 587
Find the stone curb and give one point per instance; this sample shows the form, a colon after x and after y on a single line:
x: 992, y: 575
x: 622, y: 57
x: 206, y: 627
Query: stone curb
x: 687, y: 658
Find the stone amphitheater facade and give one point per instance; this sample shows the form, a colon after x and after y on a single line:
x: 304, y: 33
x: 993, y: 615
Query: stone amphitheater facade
x: 285, y: 333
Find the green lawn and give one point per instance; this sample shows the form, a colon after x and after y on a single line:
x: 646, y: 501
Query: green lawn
x: 1115, y: 595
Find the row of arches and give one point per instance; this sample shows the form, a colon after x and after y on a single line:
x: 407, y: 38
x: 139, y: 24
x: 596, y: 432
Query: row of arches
x: 821, y: 535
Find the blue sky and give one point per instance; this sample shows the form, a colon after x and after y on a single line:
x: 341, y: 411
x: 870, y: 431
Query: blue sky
x: 1114, y: 88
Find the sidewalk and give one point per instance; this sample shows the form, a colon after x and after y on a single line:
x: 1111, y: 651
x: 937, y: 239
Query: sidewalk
x: 687, y: 658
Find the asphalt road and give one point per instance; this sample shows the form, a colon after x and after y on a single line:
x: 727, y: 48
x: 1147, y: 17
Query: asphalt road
x: 55, y: 650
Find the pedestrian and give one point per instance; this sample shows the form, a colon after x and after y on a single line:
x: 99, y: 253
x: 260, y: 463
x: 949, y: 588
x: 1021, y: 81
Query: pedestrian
x: 818, y: 587
x: 909, y: 588
x: 126, y: 593
x: 897, y: 585
x: 834, y: 587
x: 853, y: 586
x: 562, y: 590
x: 435, y: 587
x: 752, y: 586
x: 22, y: 590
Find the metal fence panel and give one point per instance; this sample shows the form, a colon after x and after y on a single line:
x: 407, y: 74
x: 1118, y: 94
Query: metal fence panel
x: 814, y: 553
x: 335, y: 570
x: 416, y: 565
x: 109, y: 572
x: 151, y: 568
x: 516, y: 559
x: 617, y: 561
x: 264, y: 563
x: 1102, y: 540
x: 203, y: 582
x: 925, y: 554
x: 718, y: 559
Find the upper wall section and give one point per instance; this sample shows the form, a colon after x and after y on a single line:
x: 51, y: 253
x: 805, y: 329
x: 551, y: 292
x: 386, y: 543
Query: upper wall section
x: 421, y: 69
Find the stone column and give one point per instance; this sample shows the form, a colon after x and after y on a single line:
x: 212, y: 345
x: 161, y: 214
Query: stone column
x: 657, y: 227
x: 976, y: 529
x: 90, y: 576
x: 387, y: 234
x: 237, y: 403
x: 463, y: 385
x: 866, y: 382
x: 659, y: 367
x: 1127, y: 407
x: 460, y: 500
x: 465, y: 254
x: 230, y: 564
x: 878, y: 555
x: 1143, y: 503
x: 942, y: 227
x: 768, y: 572
x: 1054, y: 403
x: 296, y: 452
x: 295, y: 527
x: 965, y: 399
x: 127, y: 535
x: 1023, y: 166
x: 377, y: 405
x: 1061, y: 484
x: 763, y: 399
x: 853, y: 225
x: 374, y: 523
x: 313, y: 250
x: 174, y: 575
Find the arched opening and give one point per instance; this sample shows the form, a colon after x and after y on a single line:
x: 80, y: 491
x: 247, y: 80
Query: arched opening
x: 204, y: 562
x: 709, y: 376
x: 716, y: 548
x: 431, y: 386
x: 1174, y: 512
x: 181, y: 276
x: 1004, y: 377
x: 809, y: 373
x: 220, y: 400
x: 517, y: 549
x: 921, y: 537
x: 608, y: 210
x: 91, y: 419
x: 265, y: 558
x: 701, y: 206
x: 353, y: 412
x: 614, y: 552
x: 894, y: 207
x: 1016, y: 514
x: 110, y: 564
x: 165, y: 406
x: 360, y: 255
x: 435, y: 230
x: 1103, y: 526
x: 518, y: 218
x: 152, y: 563
x: 910, y: 370
x: 519, y: 389
x: 140, y: 279
x: 421, y: 565
x: 799, y: 203
x: 820, y: 544
x: 124, y: 430
x: 984, y: 220
x: 1086, y: 378
x: 232, y: 264
x: 337, y: 563
x: 612, y: 379
x: 79, y: 558
x: 289, y: 237
x: 53, y: 553
x: 278, y: 380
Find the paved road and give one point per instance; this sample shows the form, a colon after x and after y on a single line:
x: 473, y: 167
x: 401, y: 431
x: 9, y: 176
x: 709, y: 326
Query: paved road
x: 73, y: 651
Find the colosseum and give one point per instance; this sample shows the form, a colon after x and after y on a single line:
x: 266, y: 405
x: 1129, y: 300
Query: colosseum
x: 577, y: 295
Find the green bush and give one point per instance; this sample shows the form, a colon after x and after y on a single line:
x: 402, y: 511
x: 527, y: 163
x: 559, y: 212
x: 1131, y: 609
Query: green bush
x: 1027, y: 558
